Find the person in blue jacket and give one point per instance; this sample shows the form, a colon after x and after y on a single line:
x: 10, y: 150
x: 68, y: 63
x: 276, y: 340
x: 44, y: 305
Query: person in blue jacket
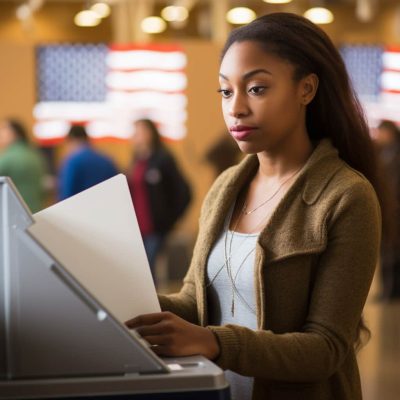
x: 84, y: 167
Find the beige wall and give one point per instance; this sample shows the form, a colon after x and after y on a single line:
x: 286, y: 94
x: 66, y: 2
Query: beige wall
x: 52, y: 23
x: 17, y: 89
x: 205, y: 123
x: 384, y: 29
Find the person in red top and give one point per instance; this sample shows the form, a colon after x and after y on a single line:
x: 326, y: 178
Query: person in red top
x: 159, y: 191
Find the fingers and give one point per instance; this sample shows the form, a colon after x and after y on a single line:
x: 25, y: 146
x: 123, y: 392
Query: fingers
x: 166, y: 350
x: 161, y: 350
x: 162, y: 345
x: 171, y: 350
x: 165, y: 332
x: 158, y: 340
x: 147, y: 319
x: 153, y: 330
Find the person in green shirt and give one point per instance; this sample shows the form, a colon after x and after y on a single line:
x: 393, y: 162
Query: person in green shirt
x: 20, y: 161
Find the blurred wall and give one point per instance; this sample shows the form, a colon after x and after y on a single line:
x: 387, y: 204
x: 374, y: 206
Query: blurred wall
x: 54, y: 24
x: 17, y: 81
x: 384, y: 28
x: 51, y: 24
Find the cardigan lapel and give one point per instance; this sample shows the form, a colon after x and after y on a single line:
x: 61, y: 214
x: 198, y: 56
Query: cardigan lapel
x: 212, y: 222
x: 215, y: 218
x: 294, y: 228
x: 287, y: 232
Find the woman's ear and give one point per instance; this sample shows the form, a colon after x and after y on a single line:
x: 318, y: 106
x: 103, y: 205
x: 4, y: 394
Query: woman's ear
x: 308, y: 88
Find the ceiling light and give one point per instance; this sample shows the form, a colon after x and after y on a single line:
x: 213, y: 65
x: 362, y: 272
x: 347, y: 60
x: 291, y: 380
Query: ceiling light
x: 319, y: 15
x: 102, y: 10
x: 240, y: 15
x: 153, y: 25
x: 87, y: 18
x: 175, y: 13
x: 24, y: 12
x: 277, y: 1
x: 365, y: 10
x: 35, y: 5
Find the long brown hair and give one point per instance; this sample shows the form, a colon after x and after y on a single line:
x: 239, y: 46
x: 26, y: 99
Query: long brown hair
x: 156, y: 141
x: 335, y: 112
x: 19, y: 129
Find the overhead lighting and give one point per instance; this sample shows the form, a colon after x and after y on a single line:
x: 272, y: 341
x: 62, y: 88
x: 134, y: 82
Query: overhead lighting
x: 153, y: 25
x: 24, y: 12
x: 102, y: 10
x: 319, y: 15
x: 277, y: 1
x: 87, y: 18
x: 240, y: 15
x: 35, y: 5
x: 175, y: 13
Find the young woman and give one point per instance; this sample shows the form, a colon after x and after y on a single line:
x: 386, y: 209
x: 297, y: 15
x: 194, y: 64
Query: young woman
x: 289, y: 238
x: 159, y: 191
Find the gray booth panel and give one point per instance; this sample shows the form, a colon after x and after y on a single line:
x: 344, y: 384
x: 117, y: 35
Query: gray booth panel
x: 58, y: 341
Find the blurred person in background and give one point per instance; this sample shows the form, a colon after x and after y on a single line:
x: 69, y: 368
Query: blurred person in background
x: 223, y: 154
x: 159, y: 191
x: 84, y: 167
x: 387, y: 138
x: 22, y: 162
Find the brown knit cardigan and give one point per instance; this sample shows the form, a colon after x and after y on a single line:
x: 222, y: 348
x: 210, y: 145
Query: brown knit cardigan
x: 314, y: 264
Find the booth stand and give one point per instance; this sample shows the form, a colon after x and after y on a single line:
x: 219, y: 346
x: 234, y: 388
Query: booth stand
x: 58, y: 341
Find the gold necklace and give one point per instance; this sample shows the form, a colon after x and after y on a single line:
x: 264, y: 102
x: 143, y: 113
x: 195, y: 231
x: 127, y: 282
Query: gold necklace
x: 244, y: 209
x: 228, y: 265
x: 228, y: 249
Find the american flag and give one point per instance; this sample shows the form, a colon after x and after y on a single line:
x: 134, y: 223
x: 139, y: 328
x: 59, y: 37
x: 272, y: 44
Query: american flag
x: 375, y: 74
x: 107, y: 88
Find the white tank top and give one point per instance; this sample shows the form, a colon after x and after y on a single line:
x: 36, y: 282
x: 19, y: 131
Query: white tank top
x: 219, y: 293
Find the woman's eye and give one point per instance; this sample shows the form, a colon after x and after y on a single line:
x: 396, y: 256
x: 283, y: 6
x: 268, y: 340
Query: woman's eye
x: 257, y: 90
x: 225, y: 92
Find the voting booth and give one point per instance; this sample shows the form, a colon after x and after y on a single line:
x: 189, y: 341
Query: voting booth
x: 60, y: 338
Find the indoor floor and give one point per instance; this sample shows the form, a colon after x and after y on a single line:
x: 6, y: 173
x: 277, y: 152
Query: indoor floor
x: 379, y: 360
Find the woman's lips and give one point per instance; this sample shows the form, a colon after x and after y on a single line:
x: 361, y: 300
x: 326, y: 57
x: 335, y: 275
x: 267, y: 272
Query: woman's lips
x: 241, y: 132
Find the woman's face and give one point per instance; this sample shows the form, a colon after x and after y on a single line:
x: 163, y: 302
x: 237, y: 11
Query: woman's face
x: 384, y: 137
x: 263, y: 106
x: 7, y: 135
x: 142, y: 137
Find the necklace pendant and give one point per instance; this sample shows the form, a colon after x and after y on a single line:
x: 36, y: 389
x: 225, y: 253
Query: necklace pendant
x: 233, y: 307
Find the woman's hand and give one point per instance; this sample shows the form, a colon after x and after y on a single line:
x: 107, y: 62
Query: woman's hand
x: 173, y: 336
